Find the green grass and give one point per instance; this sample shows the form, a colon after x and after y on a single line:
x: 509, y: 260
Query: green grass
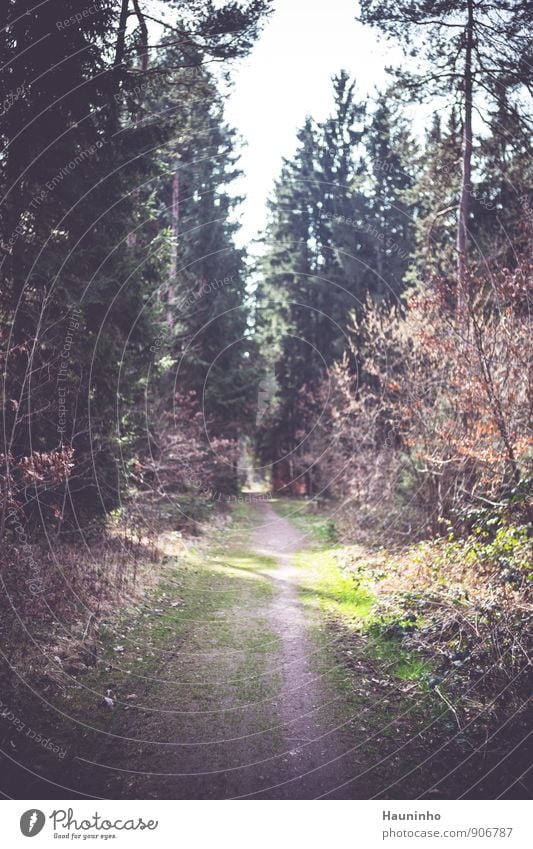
x: 326, y: 586
x: 200, y: 593
x: 401, y: 663
x: 340, y: 598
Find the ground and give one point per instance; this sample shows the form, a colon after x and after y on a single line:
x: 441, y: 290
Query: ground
x: 247, y: 674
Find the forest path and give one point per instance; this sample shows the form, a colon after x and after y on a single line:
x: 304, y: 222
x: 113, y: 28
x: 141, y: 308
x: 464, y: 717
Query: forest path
x: 248, y: 673
x: 244, y: 706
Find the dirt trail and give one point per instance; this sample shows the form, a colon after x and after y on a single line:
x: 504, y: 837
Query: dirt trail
x: 255, y: 719
x: 224, y: 691
x: 316, y: 761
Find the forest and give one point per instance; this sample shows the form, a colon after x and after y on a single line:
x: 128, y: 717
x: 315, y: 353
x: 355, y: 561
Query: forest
x: 320, y: 443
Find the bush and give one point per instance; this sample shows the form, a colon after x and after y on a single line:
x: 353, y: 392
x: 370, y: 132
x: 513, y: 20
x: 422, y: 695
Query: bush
x: 438, y: 413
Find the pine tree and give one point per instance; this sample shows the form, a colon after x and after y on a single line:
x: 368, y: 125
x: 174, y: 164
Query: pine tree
x: 466, y: 48
x: 433, y: 196
x: 390, y: 154
x: 207, y: 311
x: 83, y: 254
x: 286, y: 313
x: 339, y: 231
x: 502, y: 193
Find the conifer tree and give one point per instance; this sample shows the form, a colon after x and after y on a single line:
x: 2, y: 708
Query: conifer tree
x: 83, y: 255
x: 433, y: 195
x: 390, y: 154
x: 339, y: 231
x: 464, y: 48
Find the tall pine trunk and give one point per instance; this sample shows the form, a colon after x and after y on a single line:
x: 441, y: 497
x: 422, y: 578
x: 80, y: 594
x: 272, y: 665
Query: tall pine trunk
x: 466, y: 177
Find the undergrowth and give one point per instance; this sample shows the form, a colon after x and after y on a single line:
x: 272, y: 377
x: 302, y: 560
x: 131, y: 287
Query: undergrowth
x: 453, y: 613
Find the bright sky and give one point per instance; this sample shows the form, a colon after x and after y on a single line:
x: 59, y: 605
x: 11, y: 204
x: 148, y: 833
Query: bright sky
x: 288, y: 75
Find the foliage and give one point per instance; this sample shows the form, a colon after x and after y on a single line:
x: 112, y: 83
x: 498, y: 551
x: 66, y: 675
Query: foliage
x: 340, y: 229
x: 86, y: 246
x: 441, y: 415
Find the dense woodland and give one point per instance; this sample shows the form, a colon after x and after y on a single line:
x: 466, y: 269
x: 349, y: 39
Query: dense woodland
x: 376, y: 358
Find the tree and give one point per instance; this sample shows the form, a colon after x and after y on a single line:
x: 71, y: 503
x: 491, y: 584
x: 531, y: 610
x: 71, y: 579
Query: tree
x: 502, y: 194
x: 465, y: 48
x: 286, y: 313
x: 433, y: 198
x: 390, y: 154
x: 339, y: 230
x: 83, y: 255
x: 440, y: 426
x: 209, y: 312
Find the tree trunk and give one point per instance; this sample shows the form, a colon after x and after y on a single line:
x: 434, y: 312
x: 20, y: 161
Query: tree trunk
x: 466, y: 178
x: 117, y: 69
x: 143, y: 49
x: 121, y: 37
x: 175, y: 214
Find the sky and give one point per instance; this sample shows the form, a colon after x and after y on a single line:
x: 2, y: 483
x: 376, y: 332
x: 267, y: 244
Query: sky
x: 287, y: 76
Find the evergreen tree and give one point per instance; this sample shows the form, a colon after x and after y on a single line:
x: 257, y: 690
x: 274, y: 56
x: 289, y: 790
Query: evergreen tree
x: 390, y: 154
x: 466, y: 48
x: 434, y: 198
x: 83, y: 254
x: 340, y: 230
x: 214, y: 319
x: 503, y: 193
x: 286, y: 297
